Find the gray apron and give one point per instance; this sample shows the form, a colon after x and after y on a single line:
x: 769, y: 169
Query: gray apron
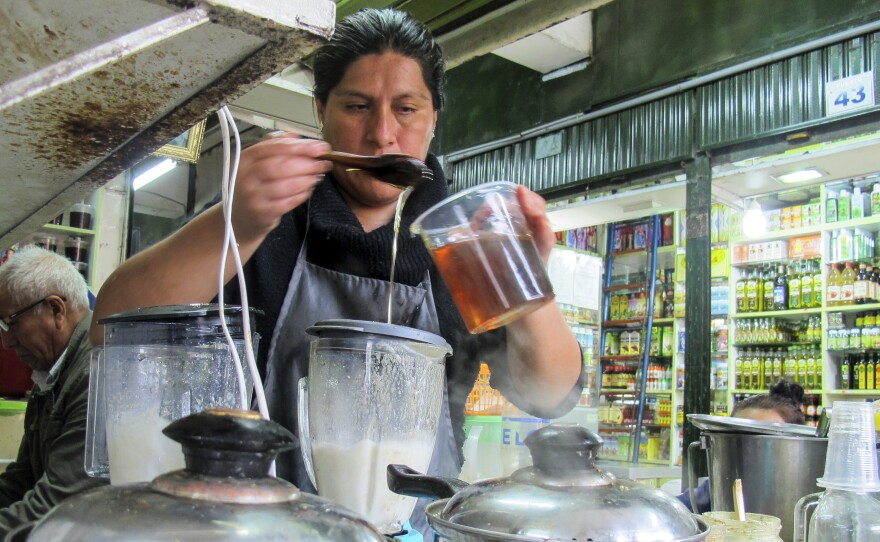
x: 316, y: 293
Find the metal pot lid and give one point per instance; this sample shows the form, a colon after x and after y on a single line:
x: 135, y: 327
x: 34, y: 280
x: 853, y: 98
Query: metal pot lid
x: 224, y: 494
x: 727, y: 424
x: 341, y: 328
x: 565, y: 497
x: 175, y: 313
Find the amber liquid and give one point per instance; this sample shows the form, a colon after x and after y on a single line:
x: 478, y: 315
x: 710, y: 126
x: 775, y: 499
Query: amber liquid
x: 494, y: 279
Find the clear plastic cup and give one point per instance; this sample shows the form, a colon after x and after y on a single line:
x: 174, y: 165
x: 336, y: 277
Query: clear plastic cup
x: 487, y: 257
x: 851, y: 462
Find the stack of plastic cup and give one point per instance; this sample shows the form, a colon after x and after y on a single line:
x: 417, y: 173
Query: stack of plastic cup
x: 846, y: 511
x: 851, y: 461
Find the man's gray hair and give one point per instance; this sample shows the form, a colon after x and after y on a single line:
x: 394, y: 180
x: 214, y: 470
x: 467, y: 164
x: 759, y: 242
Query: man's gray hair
x: 34, y: 273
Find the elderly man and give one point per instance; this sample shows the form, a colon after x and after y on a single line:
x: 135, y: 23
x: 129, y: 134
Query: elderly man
x: 44, y: 318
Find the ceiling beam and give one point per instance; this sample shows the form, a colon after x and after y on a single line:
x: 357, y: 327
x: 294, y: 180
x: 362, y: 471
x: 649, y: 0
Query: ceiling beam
x: 509, y: 24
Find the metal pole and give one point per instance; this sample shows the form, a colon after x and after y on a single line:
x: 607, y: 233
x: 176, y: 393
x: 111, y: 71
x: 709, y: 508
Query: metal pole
x: 697, y: 355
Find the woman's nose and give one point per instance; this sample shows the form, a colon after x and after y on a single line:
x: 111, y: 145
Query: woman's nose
x: 382, y: 130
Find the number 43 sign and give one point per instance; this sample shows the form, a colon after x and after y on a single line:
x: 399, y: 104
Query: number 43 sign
x: 850, y: 93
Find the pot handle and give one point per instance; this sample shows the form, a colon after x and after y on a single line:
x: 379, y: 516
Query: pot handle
x: 412, y: 483
x: 802, y: 514
x: 305, y: 440
x: 692, y: 475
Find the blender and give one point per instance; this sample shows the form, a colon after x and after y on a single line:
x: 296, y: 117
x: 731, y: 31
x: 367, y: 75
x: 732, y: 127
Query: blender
x: 158, y: 364
x: 373, y: 397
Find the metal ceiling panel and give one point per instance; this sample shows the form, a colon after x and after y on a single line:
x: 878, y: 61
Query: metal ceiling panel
x: 90, y: 87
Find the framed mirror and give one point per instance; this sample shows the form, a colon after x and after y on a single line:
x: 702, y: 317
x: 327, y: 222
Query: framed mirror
x: 186, y: 146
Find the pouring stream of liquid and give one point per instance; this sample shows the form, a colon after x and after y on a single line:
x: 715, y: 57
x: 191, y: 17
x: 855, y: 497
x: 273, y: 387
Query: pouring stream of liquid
x: 401, y: 199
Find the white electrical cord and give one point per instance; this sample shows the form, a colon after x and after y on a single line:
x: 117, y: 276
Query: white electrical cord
x: 227, y: 124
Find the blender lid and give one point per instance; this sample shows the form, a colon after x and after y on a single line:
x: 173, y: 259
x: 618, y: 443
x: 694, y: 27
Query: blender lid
x: 344, y: 328
x: 727, y: 424
x: 168, y: 313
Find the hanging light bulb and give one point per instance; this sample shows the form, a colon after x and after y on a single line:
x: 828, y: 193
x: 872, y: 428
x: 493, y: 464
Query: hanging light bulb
x: 754, y: 221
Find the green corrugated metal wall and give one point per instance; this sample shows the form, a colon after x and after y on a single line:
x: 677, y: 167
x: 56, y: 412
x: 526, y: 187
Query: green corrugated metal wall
x: 782, y: 96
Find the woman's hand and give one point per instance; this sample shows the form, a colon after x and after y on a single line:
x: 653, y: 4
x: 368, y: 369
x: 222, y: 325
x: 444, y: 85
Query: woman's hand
x: 275, y: 176
x: 534, y: 208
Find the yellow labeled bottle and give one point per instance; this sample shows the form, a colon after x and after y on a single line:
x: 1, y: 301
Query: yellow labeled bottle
x: 847, y: 285
x: 835, y: 281
x: 817, y: 286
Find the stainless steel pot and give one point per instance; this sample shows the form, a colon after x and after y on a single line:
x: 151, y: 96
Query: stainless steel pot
x: 222, y: 495
x: 776, y: 469
x: 563, y: 496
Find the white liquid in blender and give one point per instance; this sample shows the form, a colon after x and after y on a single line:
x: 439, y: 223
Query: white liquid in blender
x: 355, y: 477
x: 138, y: 451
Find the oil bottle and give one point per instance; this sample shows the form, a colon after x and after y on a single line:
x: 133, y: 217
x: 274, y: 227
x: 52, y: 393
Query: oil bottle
x: 807, y: 286
x: 768, y: 276
x: 780, y: 290
x: 835, y: 281
x: 847, y: 285
x: 794, y: 287
x: 741, y: 304
x: 754, y: 302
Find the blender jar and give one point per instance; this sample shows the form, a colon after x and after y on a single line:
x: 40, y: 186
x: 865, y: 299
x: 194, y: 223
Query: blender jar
x: 158, y: 365
x: 372, y: 398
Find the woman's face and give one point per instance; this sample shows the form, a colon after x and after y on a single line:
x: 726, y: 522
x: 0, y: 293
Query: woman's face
x: 380, y: 106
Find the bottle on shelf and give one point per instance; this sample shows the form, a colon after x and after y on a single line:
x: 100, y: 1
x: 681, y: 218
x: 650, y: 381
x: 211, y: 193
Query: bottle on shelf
x: 740, y: 293
x: 860, y: 289
x: 847, y: 285
x: 780, y: 290
x: 835, y: 283
x: 794, y: 287
x: 754, y: 300
x: 843, y: 205
x: 807, y: 286
x: 875, y: 200
x: 768, y: 276
x: 817, y: 285
x: 846, y: 373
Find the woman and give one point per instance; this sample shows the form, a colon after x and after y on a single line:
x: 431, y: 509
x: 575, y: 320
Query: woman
x: 320, y: 250
x: 782, y: 404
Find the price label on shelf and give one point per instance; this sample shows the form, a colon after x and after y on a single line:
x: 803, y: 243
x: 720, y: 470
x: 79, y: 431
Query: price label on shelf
x: 849, y: 93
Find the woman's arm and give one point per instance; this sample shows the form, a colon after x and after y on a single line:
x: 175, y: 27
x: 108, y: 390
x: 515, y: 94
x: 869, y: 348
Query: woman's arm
x: 275, y: 176
x: 544, y: 358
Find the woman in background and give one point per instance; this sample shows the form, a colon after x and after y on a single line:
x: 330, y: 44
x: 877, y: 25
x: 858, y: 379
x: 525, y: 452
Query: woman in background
x: 782, y: 404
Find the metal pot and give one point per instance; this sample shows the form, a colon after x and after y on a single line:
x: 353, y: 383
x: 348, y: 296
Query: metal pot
x: 563, y: 496
x: 223, y: 494
x: 778, y: 464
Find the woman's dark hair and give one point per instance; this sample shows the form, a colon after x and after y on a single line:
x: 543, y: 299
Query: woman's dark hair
x: 375, y: 31
x: 785, y: 398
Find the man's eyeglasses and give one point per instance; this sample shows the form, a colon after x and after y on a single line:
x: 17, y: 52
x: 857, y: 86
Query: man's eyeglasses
x: 7, y: 322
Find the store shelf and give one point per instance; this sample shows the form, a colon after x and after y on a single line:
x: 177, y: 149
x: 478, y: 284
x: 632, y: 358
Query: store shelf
x: 67, y: 230
x: 807, y: 391
x: 870, y: 393
x: 632, y: 322
x: 764, y: 263
x: 853, y: 308
x: 869, y: 223
x: 632, y: 286
x: 621, y: 358
x: 791, y: 313
x: 783, y: 344
x: 661, y: 321
x: 780, y: 234
x: 640, y: 251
